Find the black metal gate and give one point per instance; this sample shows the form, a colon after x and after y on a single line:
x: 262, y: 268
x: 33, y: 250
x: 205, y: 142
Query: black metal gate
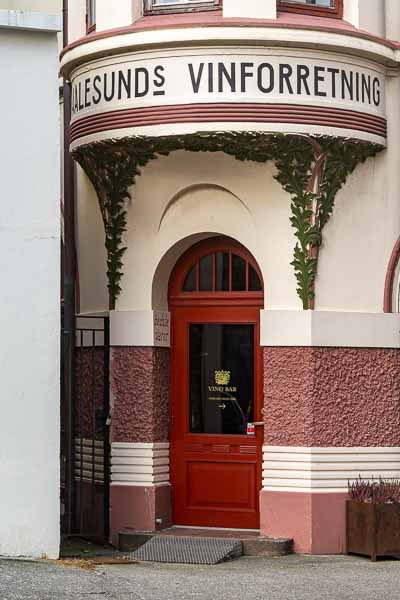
x: 90, y: 480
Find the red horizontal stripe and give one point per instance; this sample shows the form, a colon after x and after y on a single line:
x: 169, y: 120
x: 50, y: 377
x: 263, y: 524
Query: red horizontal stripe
x: 229, y: 112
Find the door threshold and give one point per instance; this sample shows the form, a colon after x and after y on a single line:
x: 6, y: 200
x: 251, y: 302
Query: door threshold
x: 203, y: 528
x: 253, y: 544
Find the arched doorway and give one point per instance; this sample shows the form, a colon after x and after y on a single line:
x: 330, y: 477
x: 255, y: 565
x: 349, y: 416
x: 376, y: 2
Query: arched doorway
x: 215, y: 297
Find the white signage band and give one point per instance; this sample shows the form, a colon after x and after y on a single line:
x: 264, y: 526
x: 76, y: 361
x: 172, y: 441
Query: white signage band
x: 326, y: 91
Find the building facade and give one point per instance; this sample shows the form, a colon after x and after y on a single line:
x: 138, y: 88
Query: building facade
x: 30, y: 293
x: 237, y: 189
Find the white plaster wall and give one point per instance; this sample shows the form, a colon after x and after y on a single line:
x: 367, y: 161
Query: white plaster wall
x: 92, y: 265
x: 393, y: 19
x: 351, y: 11
x: 360, y: 236
x: 137, y: 9
x: 30, y: 295
x: 372, y: 16
x: 76, y: 19
x: 251, y: 9
x: 110, y: 15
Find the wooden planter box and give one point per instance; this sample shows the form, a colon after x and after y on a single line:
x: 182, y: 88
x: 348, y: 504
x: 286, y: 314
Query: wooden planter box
x: 372, y: 529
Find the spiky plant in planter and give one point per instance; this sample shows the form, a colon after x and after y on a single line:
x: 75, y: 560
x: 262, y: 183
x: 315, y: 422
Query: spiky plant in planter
x: 375, y: 491
x: 373, y: 517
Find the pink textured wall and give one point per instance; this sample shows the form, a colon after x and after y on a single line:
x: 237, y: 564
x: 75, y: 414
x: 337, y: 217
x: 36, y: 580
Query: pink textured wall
x: 137, y: 508
x: 332, y: 397
x: 89, y: 382
x: 316, y: 522
x: 140, y: 386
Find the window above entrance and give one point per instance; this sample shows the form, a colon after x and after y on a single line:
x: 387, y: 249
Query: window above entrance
x: 174, y: 6
x: 222, y: 272
x: 216, y: 271
x: 318, y: 8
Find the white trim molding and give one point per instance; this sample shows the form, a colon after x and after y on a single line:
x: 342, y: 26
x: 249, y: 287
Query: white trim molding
x: 135, y: 464
x: 311, y: 470
x: 330, y: 329
x: 140, y: 328
x: 19, y: 19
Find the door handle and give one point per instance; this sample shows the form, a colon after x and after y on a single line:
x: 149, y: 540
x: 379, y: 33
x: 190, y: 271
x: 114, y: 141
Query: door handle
x: 259, y: 424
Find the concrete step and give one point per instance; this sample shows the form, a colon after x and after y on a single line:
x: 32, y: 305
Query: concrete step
x: 253, y: 544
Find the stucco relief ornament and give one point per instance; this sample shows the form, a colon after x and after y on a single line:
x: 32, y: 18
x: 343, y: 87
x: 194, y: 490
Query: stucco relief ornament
x: 312, y: 169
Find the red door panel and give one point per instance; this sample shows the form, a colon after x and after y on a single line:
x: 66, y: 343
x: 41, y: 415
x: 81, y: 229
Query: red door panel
x: 216, y: 476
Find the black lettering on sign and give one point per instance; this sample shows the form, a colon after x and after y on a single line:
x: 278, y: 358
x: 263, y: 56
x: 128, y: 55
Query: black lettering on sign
x: 159, y: 80
x: 333, y: 72
x: 196, y: 80
x: 358, y: 87
x: 87, y: 92
x: 75, y: 104
x: 366, y: 88
x: 210, y: 77
x: 96, y: 99
x: 303, y: 73
x: 317, y: 80
x: 376, y: 91
x: 81, y: 106
x: 265, y: 70
x: 225, y: 75
x: 285, y: 73
x: 347, y: 84
x: 109, y: 93
x: 141, y: 82
x: 125, y: 82
x: 245, y: 74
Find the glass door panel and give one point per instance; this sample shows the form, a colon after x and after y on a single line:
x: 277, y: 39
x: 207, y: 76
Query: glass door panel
x: 221, y: 378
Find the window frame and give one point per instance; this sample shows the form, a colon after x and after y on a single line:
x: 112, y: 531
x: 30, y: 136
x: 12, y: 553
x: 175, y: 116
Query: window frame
x: 312, y: 10
x: 90, y: 19
x: 201, y: 6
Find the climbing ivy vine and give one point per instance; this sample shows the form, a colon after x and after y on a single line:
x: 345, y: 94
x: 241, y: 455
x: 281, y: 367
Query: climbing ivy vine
x: 311, y: 169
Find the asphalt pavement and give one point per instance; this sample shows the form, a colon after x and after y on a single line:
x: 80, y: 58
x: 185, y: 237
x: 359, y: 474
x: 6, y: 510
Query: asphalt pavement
x: 288, y: 578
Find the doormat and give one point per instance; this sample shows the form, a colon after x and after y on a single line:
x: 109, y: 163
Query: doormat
x: 188, y: 550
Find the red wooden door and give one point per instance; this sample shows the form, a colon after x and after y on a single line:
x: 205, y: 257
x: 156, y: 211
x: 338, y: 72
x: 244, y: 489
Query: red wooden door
x: 216, y: 387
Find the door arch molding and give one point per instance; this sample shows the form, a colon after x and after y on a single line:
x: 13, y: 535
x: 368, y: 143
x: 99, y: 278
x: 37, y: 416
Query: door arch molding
x: 250, y: 296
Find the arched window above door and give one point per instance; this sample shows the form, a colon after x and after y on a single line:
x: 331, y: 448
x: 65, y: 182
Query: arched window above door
x: 216, y: 268
x: 222, y: 272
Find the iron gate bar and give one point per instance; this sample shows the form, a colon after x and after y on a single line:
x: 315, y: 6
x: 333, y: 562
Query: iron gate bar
x: 87, y: 403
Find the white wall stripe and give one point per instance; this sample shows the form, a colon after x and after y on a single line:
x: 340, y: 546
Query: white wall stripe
x: 139, y: 464
x: 325, y: 469
x: 329, y: 329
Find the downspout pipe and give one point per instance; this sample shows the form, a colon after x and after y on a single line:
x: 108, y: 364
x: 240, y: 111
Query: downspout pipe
x: 69, y: 278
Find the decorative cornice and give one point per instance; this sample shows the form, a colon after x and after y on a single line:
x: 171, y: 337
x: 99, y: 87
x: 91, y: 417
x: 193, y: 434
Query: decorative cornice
x: 221, y: 113
x: 178, y: 32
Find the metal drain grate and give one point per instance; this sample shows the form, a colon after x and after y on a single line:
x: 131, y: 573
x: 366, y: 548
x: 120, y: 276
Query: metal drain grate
x: 188, y: 550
